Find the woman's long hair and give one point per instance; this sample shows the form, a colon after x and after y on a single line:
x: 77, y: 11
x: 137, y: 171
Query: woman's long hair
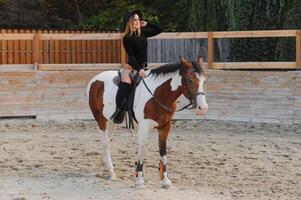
x: 129, y: 28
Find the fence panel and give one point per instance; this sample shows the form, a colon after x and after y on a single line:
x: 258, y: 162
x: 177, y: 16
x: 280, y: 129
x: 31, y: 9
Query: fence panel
x: 56, y: 51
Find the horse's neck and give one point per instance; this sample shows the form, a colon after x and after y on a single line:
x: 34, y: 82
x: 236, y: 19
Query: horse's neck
x: 167, y: 88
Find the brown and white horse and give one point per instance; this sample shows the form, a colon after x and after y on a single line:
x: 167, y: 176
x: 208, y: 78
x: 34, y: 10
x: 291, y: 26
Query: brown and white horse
x: 154, y: 108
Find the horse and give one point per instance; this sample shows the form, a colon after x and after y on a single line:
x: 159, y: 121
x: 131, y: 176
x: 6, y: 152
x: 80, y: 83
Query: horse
x: 154, y: 106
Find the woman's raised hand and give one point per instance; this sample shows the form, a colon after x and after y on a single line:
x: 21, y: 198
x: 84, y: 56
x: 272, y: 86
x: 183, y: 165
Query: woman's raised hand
x: 143, y: 23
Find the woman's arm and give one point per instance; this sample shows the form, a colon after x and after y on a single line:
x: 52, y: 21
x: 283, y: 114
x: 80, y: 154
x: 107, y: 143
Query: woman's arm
x: 149, y: 30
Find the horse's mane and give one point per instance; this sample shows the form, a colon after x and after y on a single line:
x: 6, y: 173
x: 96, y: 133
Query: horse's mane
x: 173, y: 67
x: 165, y: 69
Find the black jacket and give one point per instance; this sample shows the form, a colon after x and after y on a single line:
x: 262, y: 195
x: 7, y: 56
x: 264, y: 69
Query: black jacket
x: 136, y: 46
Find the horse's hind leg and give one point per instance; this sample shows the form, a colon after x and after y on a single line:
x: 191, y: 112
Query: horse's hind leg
x: 106, y: 128
x: 107, y: 160
x: 163, y: 134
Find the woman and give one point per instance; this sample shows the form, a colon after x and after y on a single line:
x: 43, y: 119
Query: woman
x: 136, y: 32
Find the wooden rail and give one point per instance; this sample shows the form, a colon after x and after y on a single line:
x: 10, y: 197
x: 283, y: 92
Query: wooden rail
x: 78, y: 47
x: 81, y: 36
x: 78, y: 67
x: 298, y: 50
x: 255, y: 34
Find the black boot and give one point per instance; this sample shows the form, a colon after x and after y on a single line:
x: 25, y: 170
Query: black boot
x: 122, y: 93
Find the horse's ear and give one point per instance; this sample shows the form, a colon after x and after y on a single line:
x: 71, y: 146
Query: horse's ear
x: 185, y: 62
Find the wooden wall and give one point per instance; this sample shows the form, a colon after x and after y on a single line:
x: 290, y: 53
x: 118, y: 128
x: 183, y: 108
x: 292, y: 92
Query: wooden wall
x: 62, y: 94
x: 297, y: 100
x: 258, y: 96
x: 17, y: 92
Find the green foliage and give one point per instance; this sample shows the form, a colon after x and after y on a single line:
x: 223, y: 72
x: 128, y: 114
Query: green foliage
x: 257, y: 15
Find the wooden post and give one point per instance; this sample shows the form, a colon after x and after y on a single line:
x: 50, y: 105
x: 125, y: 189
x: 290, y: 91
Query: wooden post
x: 45, y: 49
x: 210, y: 49
x: 78, y: 45
x: 63, y: 50
x: 68, y: 50
x: 94, y: 50
x: 40, y: 48
x: 3, y: 49
x: 83, y: 49
x: 109, y: 50
x: 35, y: 49
x: 10, y: 50
x: 298, y: 50
x: 54, y: 50
x: 16, y: 49
x: 22, y: 49
x: 122, y: 52
x: 73, y: 49
x: 28, y: 50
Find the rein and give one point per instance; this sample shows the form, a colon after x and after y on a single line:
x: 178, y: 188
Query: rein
x: 163, y: 106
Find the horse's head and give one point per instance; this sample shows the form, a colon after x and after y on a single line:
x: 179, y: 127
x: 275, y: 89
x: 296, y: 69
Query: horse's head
x: 194, y: 85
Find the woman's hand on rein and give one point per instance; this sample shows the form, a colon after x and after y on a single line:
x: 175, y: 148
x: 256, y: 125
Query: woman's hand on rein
x: 142, y: 73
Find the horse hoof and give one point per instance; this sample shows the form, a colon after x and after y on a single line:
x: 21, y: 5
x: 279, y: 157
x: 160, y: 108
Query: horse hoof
x: 166, y: 184
x: 139, y: 180
x: 139, y: 184
x: 112, y: 177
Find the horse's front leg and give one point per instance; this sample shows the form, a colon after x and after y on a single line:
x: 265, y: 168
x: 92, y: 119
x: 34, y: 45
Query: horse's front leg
x: 163, y: 134
x: 144, y: 127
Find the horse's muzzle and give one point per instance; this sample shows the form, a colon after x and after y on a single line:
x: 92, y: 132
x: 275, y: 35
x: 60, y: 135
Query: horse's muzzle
x: 201, y: 110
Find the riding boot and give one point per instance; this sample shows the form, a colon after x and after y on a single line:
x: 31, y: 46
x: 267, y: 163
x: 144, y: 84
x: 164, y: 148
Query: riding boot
x: 122, y: 93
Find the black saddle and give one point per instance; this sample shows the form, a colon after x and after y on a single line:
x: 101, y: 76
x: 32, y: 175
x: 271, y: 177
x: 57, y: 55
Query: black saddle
x: 128, y: 103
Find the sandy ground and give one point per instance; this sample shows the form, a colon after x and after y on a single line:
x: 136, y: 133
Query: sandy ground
x: 206, y: 160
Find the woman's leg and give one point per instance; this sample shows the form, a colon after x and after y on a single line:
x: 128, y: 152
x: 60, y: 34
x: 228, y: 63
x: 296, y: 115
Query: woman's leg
x: 122, y: 93
x: 125, y: 75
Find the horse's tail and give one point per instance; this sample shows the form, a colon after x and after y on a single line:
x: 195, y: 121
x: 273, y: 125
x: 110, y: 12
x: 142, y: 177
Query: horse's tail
x: 96, y: 102
x: 89, y: 87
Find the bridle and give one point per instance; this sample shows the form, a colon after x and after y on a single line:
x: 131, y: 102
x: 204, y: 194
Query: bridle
x: 192, y: 97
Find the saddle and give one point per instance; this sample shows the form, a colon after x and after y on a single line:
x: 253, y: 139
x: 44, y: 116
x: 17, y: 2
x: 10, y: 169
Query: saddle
x: 127, y: 106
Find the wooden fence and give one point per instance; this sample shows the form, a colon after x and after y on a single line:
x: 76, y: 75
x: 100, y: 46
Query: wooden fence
x: 58, y: 47
x: 210, y: 36
x: 75, y: 47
